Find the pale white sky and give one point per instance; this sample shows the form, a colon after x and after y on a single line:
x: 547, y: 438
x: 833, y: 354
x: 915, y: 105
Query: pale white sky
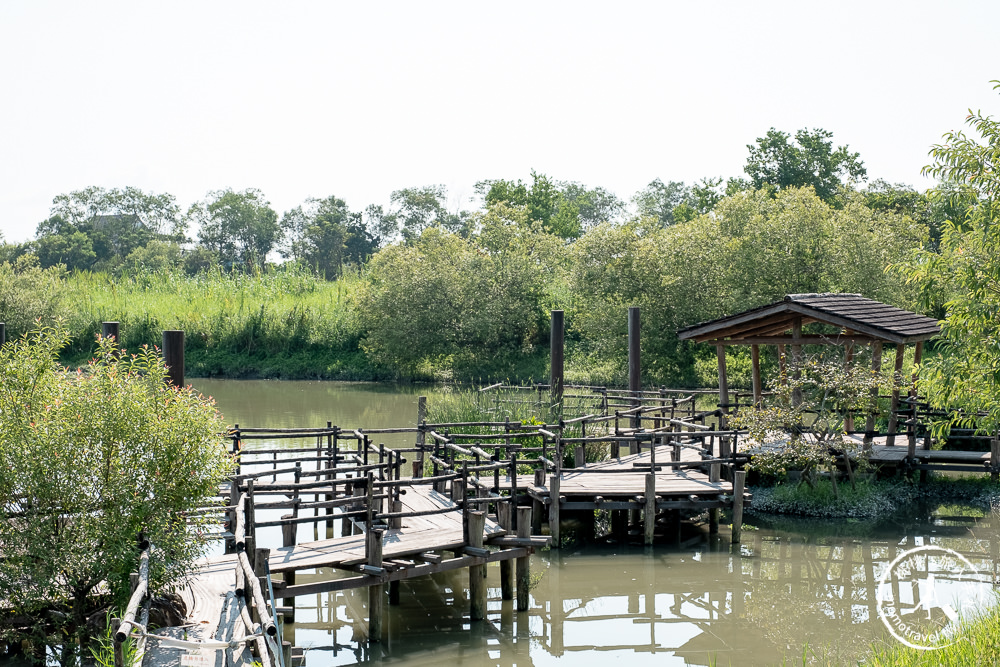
x: 357, y: 99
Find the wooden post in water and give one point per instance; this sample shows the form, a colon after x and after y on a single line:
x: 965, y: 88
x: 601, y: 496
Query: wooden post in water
x: 634, y: 362
x: 418, y: 464
x: 173, y: 357
x: 504, y: 516
x: 3, y: 333
x: 110, y: 330
x: 477, y: 573
x: 739, y: 480
x: 556, y: 348
x: 995, y: 456
x: 537, y: 508
x: 554, y: 510
x: 649, y: 514
x: 373, y: 548
x: 523, y: 564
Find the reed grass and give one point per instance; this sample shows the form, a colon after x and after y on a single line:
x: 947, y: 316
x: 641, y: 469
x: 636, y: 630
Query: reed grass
x: 281, y: 323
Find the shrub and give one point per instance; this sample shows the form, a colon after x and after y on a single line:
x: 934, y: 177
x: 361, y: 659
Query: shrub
x: 88, y: 461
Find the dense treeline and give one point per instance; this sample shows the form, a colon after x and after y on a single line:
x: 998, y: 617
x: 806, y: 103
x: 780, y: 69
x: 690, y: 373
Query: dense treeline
x: 419, y: 291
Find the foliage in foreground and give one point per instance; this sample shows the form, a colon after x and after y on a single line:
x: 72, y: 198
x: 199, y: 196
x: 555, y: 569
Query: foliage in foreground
x: 88, y: 461
x: 975, y: 643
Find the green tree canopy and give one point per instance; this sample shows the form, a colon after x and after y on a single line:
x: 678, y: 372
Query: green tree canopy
x: 240, y: 227
x: 966, y: 270
x: 98, y: 228
x: 809, y: 160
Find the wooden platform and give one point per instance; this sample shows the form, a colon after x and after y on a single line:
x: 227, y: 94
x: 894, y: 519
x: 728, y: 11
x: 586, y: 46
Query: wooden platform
x: 438, y: 532
x: 214, y: 613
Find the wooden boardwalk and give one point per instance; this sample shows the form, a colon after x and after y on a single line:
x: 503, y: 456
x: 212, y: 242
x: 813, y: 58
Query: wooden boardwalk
x: 418, y: 535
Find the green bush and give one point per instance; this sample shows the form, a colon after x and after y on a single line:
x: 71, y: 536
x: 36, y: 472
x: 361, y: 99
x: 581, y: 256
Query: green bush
x: 88, y: 461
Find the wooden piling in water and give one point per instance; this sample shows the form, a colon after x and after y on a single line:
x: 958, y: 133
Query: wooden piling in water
x: 3, y: 333
x: 739, y: 479
x: 634, y: 365
x: 477, y: 573
x: 556, y: 347
x: 554, y: 510
x: 523, y: 564
x: 373, y: 548
x: 418, y: 463
x: 504, y: 518
x: 649, y: 514
x: 173, y: 357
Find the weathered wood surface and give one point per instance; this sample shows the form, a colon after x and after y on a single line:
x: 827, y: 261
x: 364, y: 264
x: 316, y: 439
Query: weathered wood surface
x: 417, y: 534
x: 896, y: 454
x: 214, y: 613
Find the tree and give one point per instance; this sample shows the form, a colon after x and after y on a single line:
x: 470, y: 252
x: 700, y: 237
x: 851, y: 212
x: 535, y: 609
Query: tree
x: 316, y: 234
x: 241, y: 227
x: 100, y: 227
x: 658, y: 200
x: 29, y: 294
x: 420, y: 208
x: 544, y: 201
x: 89, y: 461
x: 966, y: 375
x: 444, y: 298
x: 810, y: 160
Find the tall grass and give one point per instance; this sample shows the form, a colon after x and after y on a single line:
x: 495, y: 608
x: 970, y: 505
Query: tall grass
x: 282, y: 323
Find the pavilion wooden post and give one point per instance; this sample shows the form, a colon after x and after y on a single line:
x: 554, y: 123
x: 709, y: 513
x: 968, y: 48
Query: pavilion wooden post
x: 782, y: 364
x: 876, y: 368
x: 720, y: 351
x: 556, y: 348
x: 848, y: 361
x: 755, y: 360
x: 797, y: 361
x: 634, y: 365
x: 918, y: 353
x: 897, y: 381
x: 173, y: 357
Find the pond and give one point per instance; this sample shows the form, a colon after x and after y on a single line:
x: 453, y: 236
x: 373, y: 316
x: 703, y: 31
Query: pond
x: 792, y: 583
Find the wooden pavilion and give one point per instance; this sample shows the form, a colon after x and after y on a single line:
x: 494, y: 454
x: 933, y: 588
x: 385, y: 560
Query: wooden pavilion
x: 851, y: 318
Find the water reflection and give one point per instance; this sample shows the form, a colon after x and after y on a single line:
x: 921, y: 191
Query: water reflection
x: 696, y: 606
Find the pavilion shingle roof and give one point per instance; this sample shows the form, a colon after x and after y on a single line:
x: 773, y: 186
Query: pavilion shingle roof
x: 851, y: 312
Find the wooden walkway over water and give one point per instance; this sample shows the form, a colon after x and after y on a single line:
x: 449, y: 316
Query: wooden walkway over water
x: 479, y: 498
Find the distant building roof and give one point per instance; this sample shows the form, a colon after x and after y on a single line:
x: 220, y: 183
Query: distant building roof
x: 873, y: 320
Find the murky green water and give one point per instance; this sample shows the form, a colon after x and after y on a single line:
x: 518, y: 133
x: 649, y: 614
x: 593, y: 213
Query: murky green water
x: 790, y: 584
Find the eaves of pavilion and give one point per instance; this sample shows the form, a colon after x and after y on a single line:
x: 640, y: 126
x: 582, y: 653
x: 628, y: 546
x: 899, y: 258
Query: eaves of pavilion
x: 858, y: 320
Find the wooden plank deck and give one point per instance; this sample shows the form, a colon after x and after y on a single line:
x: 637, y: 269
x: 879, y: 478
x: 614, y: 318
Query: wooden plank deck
x: 438, y: 532
x: 213, y: 614
x: 884, y: 454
